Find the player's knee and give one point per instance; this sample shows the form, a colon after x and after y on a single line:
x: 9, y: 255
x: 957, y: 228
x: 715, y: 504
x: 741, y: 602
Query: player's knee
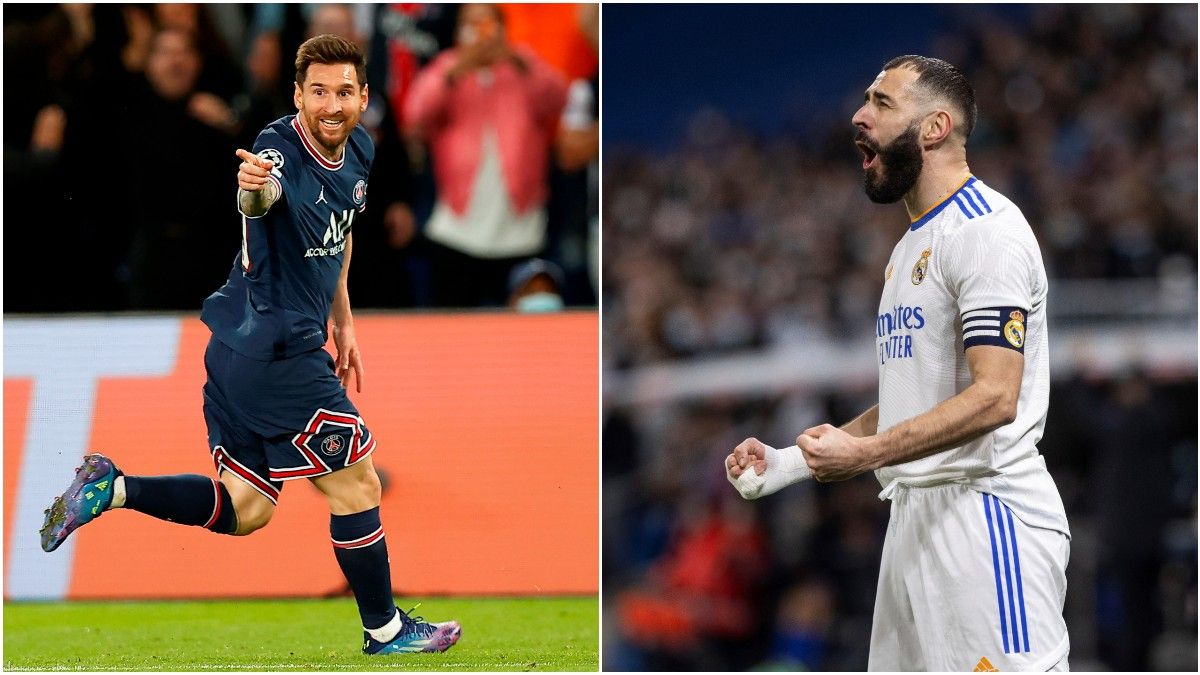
x: 372, y: 489
x: 361, y: 492
x: 351, y: 490
x: 252, y: 516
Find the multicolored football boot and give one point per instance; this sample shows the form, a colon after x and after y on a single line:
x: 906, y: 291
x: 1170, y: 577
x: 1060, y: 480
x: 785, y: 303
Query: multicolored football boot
x: 416, y: 635
x: 89, y: 495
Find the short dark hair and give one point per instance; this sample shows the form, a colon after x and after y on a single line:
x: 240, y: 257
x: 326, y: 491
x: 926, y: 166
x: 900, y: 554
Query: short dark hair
x: 941, y: 78
x: 326, y: 49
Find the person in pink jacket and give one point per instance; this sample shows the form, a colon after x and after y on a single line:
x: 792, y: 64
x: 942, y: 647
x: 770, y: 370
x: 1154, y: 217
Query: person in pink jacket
x: 488, y: 111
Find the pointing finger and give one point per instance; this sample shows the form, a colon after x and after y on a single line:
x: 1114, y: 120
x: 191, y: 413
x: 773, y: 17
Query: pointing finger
x: 249, y: 157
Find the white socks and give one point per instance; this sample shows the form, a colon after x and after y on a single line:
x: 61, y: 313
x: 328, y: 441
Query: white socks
x: 387, y: 631
x: 118, y: 500
x: 784, y: 467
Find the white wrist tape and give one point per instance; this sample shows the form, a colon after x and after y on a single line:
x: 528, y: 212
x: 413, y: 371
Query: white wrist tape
x: 784, y: 467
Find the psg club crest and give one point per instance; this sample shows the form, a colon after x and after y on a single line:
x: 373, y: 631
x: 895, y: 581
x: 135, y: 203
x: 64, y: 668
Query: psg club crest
x: 1014, y: 330
x: 921, y: 269
x: 332, y: 445
x: 360, y: 192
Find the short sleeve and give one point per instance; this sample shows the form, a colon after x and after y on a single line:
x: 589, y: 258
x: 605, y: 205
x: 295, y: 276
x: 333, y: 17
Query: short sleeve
x: 989, y: 269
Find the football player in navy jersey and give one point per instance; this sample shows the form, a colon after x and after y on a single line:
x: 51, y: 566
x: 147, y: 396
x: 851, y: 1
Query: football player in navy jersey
x: 275, y: 401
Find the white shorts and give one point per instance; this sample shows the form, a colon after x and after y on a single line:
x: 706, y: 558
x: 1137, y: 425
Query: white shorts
x: 965, y: 584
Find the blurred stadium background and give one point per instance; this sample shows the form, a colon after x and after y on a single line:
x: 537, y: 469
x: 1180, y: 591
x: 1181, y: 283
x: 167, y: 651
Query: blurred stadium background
x: 115, y: 79
x: 741, y: 272
x: 124, y: 148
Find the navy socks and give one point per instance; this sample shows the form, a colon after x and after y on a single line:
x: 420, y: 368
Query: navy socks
x: 188, y: 499
x: 361, y: 552
x: 358, y: 542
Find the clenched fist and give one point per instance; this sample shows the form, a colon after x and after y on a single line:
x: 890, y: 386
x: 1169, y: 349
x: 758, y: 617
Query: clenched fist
x: 749, y: 453
x: 833, y: 454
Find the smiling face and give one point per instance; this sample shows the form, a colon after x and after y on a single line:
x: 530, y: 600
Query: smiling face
x: 330, y: 103
x: 889, y: 125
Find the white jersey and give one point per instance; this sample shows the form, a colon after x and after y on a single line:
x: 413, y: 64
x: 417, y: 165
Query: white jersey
x: 968, y: 272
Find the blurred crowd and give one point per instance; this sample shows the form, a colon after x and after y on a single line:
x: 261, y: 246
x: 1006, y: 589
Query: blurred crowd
x: 734, y: 241
x: 124, y: 147
x: 695, y: 578
x: 1087, y: 122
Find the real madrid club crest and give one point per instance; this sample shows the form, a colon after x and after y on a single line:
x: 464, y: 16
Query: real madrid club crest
x: 921, y: 269
x: 1014, y: 330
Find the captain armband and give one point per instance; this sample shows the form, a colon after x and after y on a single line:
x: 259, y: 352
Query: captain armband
x: 995, y: 326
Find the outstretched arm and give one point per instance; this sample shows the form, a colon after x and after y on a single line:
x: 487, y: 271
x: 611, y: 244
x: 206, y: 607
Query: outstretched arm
x: 349, y: 360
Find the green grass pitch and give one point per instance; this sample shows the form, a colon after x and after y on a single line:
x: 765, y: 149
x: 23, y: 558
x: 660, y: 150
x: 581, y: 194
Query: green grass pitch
x: 553, y: 634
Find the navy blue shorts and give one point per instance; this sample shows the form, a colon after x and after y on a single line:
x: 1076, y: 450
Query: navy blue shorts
x: 274, y: 421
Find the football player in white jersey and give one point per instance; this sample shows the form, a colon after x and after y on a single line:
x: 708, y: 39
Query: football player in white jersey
x: 973, y: 574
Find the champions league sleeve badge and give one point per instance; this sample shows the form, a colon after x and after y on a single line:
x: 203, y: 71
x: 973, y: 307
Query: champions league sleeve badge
x: 275, y: 157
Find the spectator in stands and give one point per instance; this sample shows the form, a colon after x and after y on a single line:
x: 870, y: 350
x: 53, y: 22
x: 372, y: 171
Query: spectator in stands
x: 405, y: 37
x: 803, y: 624
x: 1079, y: 151
x: 184, y: 231
x: 334, y: 18
x: 566, y: 37
x: 58, y: 146
x: 488, y: 111
x: 1131, y: 529
x: 218, y: 73
x: 535, y: 286
x: 696, y: 592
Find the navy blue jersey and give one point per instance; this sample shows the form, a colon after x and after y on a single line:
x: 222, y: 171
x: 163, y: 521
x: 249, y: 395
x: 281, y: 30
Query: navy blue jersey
x: 276, y: 302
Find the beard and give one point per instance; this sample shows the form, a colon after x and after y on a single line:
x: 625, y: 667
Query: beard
x: 899, y: 167
x: 330, y: 140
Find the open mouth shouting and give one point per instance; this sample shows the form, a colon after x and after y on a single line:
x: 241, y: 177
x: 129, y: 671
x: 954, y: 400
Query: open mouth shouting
x: 870, y: 154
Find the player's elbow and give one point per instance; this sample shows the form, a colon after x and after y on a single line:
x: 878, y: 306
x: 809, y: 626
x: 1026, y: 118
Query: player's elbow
x: 1007, y: 412
x: 999, y: 405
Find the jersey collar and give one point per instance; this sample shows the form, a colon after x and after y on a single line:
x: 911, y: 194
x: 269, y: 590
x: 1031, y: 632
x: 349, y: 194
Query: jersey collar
x: 932, y: 211
x: 312, y: 148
